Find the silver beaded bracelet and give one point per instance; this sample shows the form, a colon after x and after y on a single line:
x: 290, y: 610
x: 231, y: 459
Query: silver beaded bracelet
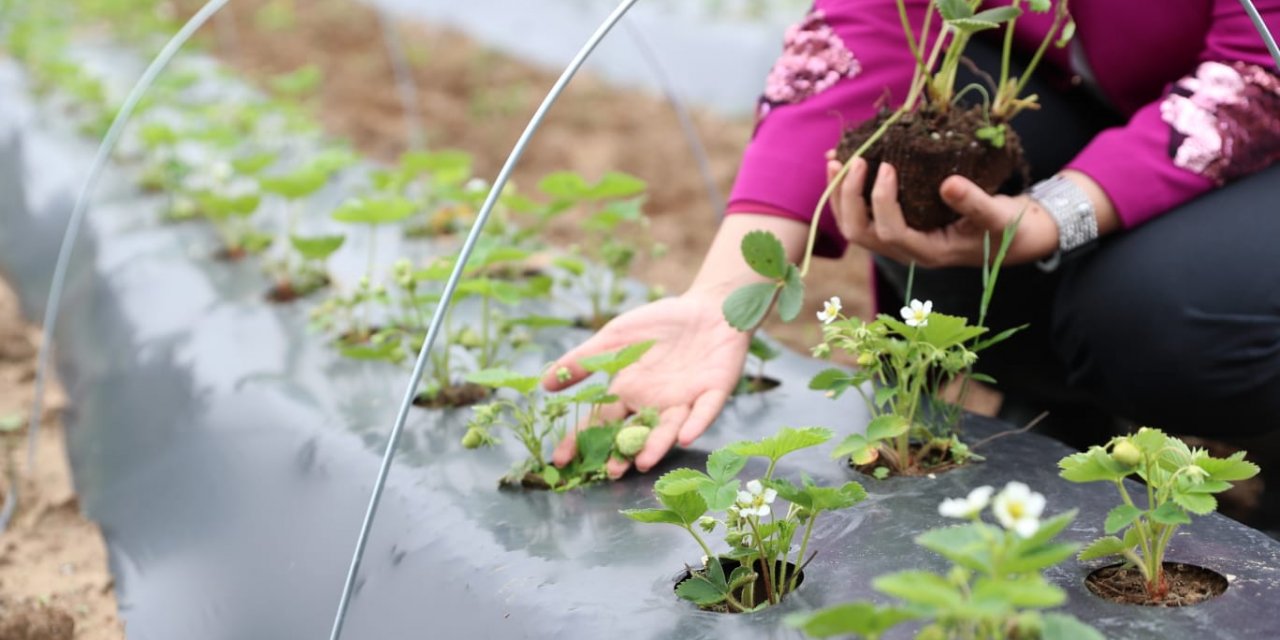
x: 1071, y: 210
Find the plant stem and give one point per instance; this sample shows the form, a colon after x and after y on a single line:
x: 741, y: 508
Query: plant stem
x: 1144, y: 533
x: 766, y: 565
x: 701, y: 543
x: 804, y: 546
x: 1058, y: 18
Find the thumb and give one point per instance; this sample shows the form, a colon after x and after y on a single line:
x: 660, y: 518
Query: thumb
x: 975, y: 205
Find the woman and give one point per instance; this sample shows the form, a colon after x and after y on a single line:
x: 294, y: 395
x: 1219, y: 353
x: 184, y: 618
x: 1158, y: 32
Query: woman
x: 1155, y: 196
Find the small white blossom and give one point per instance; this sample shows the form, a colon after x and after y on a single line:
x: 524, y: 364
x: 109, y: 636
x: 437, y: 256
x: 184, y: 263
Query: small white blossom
x: 1018, y: 509
x: 755, y: 500
x: 917, y: 313
x: 830, y: 310
x: 967, y: 507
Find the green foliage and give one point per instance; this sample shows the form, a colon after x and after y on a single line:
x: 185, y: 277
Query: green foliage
x: 374, y: 211
x: 317, y: 247
x: 1179, y: 482
x: 757, y: 538
x: 613, y: 362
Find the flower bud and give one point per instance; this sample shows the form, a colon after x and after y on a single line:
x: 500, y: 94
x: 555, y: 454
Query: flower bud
x: 708, y: 524
x: 866, y: 360
x: 630, y: 440
x: 1126, y: 453
x: 470, y: 338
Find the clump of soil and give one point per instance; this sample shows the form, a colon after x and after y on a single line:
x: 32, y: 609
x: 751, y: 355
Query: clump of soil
x: 226, y: 254
x: 923, y: 459
x: 753, y: 384
x: 286, y: 291
x: 926, y: 147
x: 454, y: 396
x: 759, y: 593
x: 1187, y: 585
x: 32, y: 621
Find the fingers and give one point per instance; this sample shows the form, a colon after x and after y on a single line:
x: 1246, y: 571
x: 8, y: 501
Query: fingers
x: 662, y: 438
x: 704, y: 412
x: 847, y: 205
x: 977, y: 206
x: 568, y: 447
x: 599, y: 343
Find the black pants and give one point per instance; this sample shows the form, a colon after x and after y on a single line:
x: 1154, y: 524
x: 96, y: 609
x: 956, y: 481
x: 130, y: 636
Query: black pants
x: 1174, y: 324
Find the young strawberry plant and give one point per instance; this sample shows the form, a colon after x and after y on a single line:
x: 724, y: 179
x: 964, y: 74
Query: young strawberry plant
x: 353, y: 311
x: 302, y: 271
x: 539, y: 422
x: 995, y: 588
x: 1177, y: 482
x: 759, y: 569
x: 612, y: 218
x: 758, y: 382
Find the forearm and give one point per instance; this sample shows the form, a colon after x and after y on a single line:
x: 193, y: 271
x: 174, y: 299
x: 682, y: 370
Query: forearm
x: 724, y: 270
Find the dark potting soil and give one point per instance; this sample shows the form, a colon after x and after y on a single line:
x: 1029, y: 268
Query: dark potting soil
x: 225, y: 254
x: 728, y: 565
x: 454, y: 396
x: 925, y: 148
x: 916, y: 466
x: 1188, y: 585
x: 285, y: 292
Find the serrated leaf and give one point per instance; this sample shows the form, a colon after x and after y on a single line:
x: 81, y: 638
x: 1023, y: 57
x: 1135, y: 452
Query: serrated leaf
x: 719, y: 495
x: 503, y: 378
x: 747, y: 306
x: 1170, y: 513
x: 680, y: 481
x: 761, y: 349
x: 883, y: 395
x: 830, y: 380
x: 653, y: 516
x: 317, y: 247
x: 886, y: 427
x: 862, y: 618
x: 564, y: 185
x: 700, y: 591
x: 1040, y: 557
x: 1200, y: 504
x: 966, y: 545
x: 834, y: 498
x: 764, y: 254
x: 954, y: 9
x: 1028, y: 590
x: 920, y: 587
x: 791, y: 296
x: 1104, y: 547
x: 614, y: 361
x: 787, y: 440
x: 374, y: 211
x: 724, y: 464
x: 616, y: 184
x: 1120, y: 517
x: 1060, y: 626
x: 856, y: 448
x: 998, y: 14
x: 687, y: 506
x: 595, y: 444
x: 572, y: 265
x: 551, y: 476
x: 970, y: 25
x: 1092, y: 466
x: 1230, y: 469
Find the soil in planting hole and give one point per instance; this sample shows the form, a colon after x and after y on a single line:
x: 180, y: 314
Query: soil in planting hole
x: 285, y: 292
x: 454, y: 396
x: 749, y: 385
x: 1188, y: 585
x: 925, y: 148
x: 759, y: 589
x: 226, y: 254
x: 917, y: 465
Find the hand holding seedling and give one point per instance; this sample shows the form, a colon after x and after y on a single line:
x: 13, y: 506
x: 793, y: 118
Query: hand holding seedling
x: 695, y: 362
x: 880, y: 227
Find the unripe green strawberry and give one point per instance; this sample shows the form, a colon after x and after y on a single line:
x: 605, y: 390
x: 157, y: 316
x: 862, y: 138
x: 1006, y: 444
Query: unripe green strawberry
x: 630, y: 440
x: 473, y: 439
x: 1126, y: 453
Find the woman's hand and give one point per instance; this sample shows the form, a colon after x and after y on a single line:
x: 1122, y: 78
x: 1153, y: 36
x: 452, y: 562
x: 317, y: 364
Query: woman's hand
x: 687, y: 375
x: 881, y: 228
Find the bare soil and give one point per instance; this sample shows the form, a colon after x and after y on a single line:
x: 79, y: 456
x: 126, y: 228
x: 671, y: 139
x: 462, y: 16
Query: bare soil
x: 1187, y: 585
x: 453, y: 397
x: 54, y: 581
x: 479, y: 100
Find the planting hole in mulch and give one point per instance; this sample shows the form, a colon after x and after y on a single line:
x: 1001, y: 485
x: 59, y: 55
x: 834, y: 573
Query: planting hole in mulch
x: 1188, y: 585
x: 453, y: 396
x: 924, y: 460
x: 758, y: 591
x: 925, y: 148
x: 748, y: 385
x: 285, y: 292
x: 230, y: 255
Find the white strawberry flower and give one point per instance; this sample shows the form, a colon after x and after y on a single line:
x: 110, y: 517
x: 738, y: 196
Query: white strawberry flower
x: 1018, y: 509
x: 830, y: 310
x: 917, y: 313
x: 756, y: 499
x: 968, y: 507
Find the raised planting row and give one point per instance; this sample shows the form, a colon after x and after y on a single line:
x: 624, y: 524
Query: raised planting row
x: 227, y: 443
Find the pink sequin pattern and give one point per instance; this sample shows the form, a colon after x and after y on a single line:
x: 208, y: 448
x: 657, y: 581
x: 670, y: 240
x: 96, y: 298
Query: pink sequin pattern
x: 1225, y: 120
x: 813, y: 59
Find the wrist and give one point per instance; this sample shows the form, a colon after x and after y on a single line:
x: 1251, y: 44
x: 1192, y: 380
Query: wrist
x: 724, y: 270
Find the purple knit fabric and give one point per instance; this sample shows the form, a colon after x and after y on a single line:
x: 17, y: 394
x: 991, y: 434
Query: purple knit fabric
x: 847, y: 58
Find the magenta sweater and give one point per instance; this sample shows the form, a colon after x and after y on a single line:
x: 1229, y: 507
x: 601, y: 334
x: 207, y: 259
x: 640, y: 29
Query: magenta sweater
x: 1193, y: 77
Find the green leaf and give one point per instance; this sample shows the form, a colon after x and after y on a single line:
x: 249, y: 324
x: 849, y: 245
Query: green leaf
x: 887, y: 426
x: 298, y: 184
x: 254, y: 163
x: 1104, y: 547
x: 653, y: 516
x: 761, y: 349
x: 764, y: 254
x: 699, y: 590
x: 1060, y: 626
x: 746, y: 307
x: 317, y: 247
x: 551, y: 476
x: 719, y: 495
x: 954, y: 9
x: 1229, y: 469
x: 374, y: 211
x: 572, y: 265
x: 1121, y: 517
x: 1200, y: 504
x: 1039, y: 6
x: 680, y: 481
x: 594, y: 446
x: 944, y: 331
x: 791, y: 297
x: 833, y: 498
x: 614, y: 361
x: 1049, y: 529
x: 966, y: 545
x: 300, y: 82
x: 1068, y: 32
x: 687, y: 506
x: 564, y: 185
x: 445, y: 167
x: 830, y: 380
x: 1092, y: 466
x: 788, y: 440
x: 990, y: 342
x: 1040, y: 557
x: 724, y: 464
x: 1170, y: 513
x: 1028, y: 590
x: 998, y: 14
x: 862, y: 618
x: 883, y: 395
x: 855, y: 447
x: 920, y: 587
x: 971, y: 26
x: 504, y: 378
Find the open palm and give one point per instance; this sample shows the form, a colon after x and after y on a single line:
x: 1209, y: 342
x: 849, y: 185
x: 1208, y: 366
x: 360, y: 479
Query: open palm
x: 687, y: 375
